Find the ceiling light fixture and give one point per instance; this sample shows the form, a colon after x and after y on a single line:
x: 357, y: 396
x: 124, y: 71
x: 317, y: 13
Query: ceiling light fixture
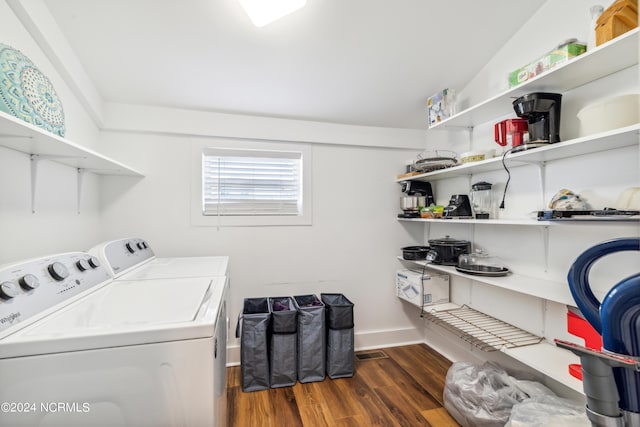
x: 263, y: 12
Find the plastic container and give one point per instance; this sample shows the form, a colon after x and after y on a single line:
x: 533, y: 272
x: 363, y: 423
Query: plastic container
x: 609, y: 113
x: 476, y: 156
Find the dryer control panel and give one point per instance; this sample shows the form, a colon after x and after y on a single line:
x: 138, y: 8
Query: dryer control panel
x: 35, y: 287
x: 121, y: 256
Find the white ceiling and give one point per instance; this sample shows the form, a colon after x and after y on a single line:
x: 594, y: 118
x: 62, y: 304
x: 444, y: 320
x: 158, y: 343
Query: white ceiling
x: 364, y: 62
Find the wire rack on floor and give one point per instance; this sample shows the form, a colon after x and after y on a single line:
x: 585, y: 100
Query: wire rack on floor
x: 483, y: 331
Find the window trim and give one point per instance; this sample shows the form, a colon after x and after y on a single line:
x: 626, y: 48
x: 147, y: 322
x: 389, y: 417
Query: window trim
x: 228, y: 145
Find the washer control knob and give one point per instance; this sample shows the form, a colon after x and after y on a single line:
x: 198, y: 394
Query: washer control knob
x: 29, y: 282
x: 131, y: 247
x: 8, y: 290
x: 144, y: 245
x: 94, y: 262
x: 83, y: 265
x: 58, y: 271
x: 140, y: 245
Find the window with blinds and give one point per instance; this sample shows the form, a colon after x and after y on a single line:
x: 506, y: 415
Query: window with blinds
x: 251, y: 182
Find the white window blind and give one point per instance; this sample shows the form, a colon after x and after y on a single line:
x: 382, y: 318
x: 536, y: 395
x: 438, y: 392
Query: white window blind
x: 251, y: 182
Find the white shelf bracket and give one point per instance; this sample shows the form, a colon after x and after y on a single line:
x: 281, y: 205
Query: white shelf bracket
x: 35, y: 160
x: 542, y: 177
x: 545, y: 243
x: 81, y: 173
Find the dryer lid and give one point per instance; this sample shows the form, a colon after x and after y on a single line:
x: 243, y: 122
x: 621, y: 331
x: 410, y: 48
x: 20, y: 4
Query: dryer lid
x: 168, y: 268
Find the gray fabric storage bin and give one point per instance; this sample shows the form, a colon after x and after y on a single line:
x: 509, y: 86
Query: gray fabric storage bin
x: 284, y: 338
x: 311, y: 338
x: 340, y: 339
x: 254, y: 352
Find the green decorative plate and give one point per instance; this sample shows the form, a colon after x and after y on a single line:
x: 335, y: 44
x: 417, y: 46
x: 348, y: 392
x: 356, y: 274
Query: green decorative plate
x: 28, y: 94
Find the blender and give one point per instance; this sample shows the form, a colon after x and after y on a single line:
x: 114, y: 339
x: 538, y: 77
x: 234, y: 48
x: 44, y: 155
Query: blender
x: 482, y: 200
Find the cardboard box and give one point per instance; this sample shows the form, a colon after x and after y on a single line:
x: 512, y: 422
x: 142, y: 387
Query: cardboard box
x: 422, y: 291
x: 552, y: 59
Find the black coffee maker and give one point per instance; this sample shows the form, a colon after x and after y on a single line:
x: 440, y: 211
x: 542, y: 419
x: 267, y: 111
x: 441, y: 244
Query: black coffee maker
x: 542, y: 111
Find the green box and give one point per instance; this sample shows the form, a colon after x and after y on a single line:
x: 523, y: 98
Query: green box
x: 552, y: 59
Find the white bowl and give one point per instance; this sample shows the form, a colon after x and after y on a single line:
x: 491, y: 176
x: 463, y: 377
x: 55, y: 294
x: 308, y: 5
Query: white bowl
x: 610, y: 113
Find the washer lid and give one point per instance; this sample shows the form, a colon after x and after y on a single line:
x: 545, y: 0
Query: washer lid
x: 169, y: 268
x: 125, y: 313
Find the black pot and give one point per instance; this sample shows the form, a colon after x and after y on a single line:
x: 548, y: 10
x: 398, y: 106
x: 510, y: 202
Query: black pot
x: 415, y: 253
x: 447, y: 250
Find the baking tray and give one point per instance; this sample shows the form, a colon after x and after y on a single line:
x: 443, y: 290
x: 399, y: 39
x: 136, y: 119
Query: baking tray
x: 489, y: 272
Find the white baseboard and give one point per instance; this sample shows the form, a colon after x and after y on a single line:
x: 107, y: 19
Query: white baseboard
x: 362, y: 341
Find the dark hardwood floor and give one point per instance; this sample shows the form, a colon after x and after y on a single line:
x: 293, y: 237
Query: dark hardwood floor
x: 403, y: 389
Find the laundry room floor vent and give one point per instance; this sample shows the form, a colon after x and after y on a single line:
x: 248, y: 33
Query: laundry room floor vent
x: 371, y: 355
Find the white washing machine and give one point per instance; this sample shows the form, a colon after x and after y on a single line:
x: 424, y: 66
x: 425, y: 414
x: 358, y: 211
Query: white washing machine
x: 134, y: 259
x: 80, y: 349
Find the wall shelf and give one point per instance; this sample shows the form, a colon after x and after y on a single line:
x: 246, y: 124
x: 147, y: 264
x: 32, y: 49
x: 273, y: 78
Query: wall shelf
x: 526, y: 222
x: 550, y: 360
x: 540, y: 288
x: 481, y: 330
x: 618, y: 138
x: 609, y: 58
x: 534, y: 351
x: 529, y: 222
x: 18, y: 135
x: 21, y: 136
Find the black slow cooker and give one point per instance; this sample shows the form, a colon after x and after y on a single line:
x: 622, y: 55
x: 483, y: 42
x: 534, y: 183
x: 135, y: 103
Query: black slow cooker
x: 446, y: 251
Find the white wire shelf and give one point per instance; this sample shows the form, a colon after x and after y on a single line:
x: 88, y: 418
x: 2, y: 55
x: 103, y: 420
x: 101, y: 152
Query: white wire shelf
x: 530, y: 349
x: 481, y: 330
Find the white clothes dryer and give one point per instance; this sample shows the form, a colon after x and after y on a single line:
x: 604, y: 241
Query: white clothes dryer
x: 133, y: 258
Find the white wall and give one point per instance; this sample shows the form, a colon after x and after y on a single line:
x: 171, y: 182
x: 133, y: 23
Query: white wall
x: 56, y: 226
x: 350, y: 248
x: 552, y: 24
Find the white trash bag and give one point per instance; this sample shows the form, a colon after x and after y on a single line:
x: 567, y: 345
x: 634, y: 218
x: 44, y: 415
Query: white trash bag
x: 548, y: 411
x: 483, y: 396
